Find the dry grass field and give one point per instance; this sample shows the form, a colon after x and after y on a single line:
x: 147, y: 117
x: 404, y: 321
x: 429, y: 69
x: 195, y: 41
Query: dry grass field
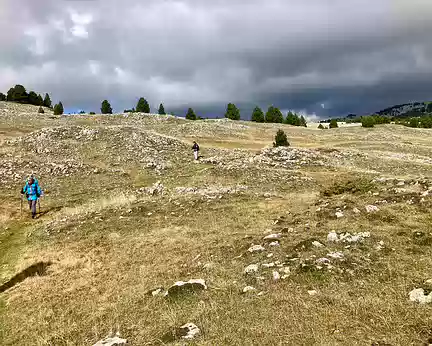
x: 126, y: 211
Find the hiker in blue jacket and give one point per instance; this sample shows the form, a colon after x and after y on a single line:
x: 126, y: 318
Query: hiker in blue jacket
x: 32, y: 191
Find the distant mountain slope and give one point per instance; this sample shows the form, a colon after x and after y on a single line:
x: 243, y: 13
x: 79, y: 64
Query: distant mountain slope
x: 407, y: 109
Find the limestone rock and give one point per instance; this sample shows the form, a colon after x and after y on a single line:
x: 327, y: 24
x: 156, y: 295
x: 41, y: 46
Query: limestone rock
x: 180, y: 287
x: 111, y: 341
x: 189, y: 331
x: 273, y: 236
x: 256, y: 248
x: 248, y: 289
x: 418, y: 295
x: 250, y: 269
x: 371, y: 208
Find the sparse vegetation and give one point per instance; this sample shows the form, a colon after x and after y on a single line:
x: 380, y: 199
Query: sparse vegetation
x: 114, y: 236
x: 41, y: 110
x: 321, y: 127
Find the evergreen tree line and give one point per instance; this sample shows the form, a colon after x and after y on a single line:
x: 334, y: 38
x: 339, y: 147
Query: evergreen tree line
x: 19, y: 94
x: 423, y: 122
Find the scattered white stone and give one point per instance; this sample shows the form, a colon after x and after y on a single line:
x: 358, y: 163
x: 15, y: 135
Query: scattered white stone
x: 275, y: 243
x: 429, y: 282
x: 332, y: 237
x: 157, y: 292
x: 380, y: 245
x: 417, y: 295
x: 371, y: 208
x: 339, y: 214
x: 273, y: 236
x: 189, y: 286
x: 286, y: 270
x: 317, y: 244
x: 268, y: 265
x: 356, y: 211
x: 312, y: 292
x: 276, y: 276
x: 189, y: 331
x: 111, y: 341
x: 270, y: 255
x: 250, y: 269
x: 336, y: 255
x: 256, y: 248
x: 248, y: 289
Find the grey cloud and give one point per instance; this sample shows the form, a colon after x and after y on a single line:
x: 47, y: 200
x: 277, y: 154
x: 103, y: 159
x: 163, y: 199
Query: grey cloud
x: 353, y: 56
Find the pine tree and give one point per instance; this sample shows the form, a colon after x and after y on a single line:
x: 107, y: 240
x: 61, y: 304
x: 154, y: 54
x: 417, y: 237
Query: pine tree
x: 303, y: 121
x: 40, y: 100
x: 142, y: 106
x: 258, y: 115
x: 274, y: 115
x: 161, y: 110
x: 33, y: 98
x: 281, y: 139
x: 106, y: 107
x: 232, y: 112
x: 47, y: 101
x: 290, y: 119
x: 190, y: 115
x: 58, y: 109
x: 2, y: 97
x: 17, y: 94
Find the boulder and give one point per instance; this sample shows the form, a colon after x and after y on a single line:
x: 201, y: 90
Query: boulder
x: 189, y: 331
x: 371, y: 208
x: 256, y: 248
x: 418, y: 295
x: 250, y: 269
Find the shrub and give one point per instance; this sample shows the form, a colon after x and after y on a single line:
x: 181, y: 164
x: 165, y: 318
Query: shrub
x: 41, y: 110
x: 414, y: 122
x: 333, y: 124
x: 2, y: 97
x: 368, y: 121
x: 92, y: 113
x: 161, y: 110
x: 258, y: 115
x: 17, y: 94
x: 321, y: 127
x: 281, y: 139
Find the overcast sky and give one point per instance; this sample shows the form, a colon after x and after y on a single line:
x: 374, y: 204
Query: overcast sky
x: 323, y: 57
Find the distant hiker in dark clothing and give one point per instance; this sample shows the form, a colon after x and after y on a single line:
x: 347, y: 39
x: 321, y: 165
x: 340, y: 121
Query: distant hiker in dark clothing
x: 195, y: 148
x: 32, y: 191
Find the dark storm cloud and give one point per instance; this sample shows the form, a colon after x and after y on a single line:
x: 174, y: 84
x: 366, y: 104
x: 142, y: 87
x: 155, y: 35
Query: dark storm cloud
x: 348, y: 56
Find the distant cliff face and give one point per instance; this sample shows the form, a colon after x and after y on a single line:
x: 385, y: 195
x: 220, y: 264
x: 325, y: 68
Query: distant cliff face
x: 407, y: 109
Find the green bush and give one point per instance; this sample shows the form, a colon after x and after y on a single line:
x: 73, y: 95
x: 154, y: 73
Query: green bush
x: 161, y: 110
x: 333, y: 124
x: 92, y: 113
x: 321, y: 127
x: 41, y: 110
x: 281, y: 139
x: 368, y: 121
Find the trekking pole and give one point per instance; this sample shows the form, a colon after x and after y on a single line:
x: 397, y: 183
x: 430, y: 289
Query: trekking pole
x: 39, y: 205
x: 21, y: 204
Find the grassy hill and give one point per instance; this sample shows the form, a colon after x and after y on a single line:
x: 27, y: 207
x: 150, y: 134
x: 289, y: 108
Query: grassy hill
x: 126, y: 211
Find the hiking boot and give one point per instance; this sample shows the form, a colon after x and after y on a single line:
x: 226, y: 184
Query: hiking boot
x: 33, y: 216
